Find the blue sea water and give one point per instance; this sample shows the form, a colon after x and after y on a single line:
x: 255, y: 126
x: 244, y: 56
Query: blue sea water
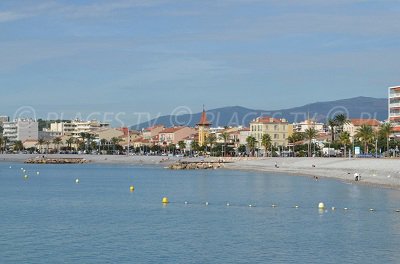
x: 48, y: 218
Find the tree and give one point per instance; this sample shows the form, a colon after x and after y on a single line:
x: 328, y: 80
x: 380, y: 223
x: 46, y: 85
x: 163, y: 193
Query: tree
x: 386, y: 130
x: 1, y: 144
x: 47, y: 143
x: 225, y: 136
x: 57, y: 141
x: 18, y: 146
x: 103, y: 142
x: 366, y: 135
x: 251, y: 144
x: 182, y: 146
x: 332, y: 124
x: 340, y: 120
x: 309, y: 134
x: 344, y: 139
x: 266, y: 142
x: 194, y: 145
x: 242, y: 149
x: 41, y: 142
x: 114, y: 142
x: 83, y: 136
x: 210, y: 140
x: 69, y: 142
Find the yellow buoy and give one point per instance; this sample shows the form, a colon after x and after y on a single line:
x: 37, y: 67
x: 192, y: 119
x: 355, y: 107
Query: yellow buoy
x: 26, y: 177
x: 321, y: 206
x: 132, y: 188
x: 165, y: 200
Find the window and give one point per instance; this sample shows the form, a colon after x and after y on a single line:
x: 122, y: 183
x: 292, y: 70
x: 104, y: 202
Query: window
x: 276, y: 127
x: 276, y: 136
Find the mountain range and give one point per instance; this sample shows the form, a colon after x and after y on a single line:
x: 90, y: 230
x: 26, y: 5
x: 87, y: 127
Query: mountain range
x: 357, y: 107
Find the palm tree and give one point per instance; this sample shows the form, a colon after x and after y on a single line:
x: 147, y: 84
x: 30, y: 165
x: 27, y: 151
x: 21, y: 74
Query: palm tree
x: 365, y: 134
x: 386, y: 130
x: 114, y: 142
x: 41, y: 143
x: 332, y: 124
x: 57, y: 141
x: 69, y: 142
x: 266, y: 142
x: 84, y: 135
x: 251, y: 144
x: 309, y: 134
x: 18, y: 146
x: 103, y: 142
x: 47, y: 143
x: 194, y: 145
x: 344, y: 139
x: 224, y: 136
x: 89, y: 138
x: 341, y: 120
x: 210, y: 140
x: 1, y: 144
x: 182, y: 146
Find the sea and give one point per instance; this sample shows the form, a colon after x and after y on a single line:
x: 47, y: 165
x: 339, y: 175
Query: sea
x: 86, y: 213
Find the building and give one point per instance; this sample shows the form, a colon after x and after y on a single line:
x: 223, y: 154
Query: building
x: 203, y: 128
x: 354, y: 124
x: 4, y: 119
x: 278, y: 129
x: 303, y: 126
x: 75, y: 127
x: 394, y: 109
x: 173, y: 135
x: 21, y: 130
x: 151, y: 132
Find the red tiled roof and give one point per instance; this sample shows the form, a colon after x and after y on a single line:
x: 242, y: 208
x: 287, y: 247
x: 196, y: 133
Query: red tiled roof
x: 203, y: 119
x: 396, y: 129
x: 368, y: 122
x: 170, y: 130
x: 396, y: 88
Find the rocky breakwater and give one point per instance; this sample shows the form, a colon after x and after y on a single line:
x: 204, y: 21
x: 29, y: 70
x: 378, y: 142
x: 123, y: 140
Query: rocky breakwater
x: 184, y: 165
x: 56, y: 160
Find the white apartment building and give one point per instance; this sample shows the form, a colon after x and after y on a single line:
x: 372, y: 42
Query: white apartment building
x: 21, y: 129
x: 394, y: 109
x: 76, y: 127
x: 309, y: 123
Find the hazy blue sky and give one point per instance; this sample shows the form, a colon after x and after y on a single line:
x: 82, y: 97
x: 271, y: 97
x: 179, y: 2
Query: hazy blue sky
x: 78, y: 57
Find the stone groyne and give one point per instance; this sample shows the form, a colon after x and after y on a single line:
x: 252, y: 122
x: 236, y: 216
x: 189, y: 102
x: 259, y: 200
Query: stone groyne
x: 185, y: 165
x: 56, y: 161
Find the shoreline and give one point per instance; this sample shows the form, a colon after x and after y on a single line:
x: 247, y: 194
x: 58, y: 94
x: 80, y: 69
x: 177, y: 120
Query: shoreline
x: 374, y: 172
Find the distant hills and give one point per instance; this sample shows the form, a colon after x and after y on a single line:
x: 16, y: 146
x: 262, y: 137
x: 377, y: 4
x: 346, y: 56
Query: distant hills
x: 357, y: 107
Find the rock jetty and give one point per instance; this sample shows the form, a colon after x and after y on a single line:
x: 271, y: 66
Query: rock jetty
x: 57, y: 161
x: 185, y: 165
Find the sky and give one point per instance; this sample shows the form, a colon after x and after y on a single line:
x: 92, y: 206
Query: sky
x: 129, y: 60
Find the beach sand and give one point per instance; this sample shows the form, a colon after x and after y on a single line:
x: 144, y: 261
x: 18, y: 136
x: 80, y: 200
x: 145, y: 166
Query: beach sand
x: 376, y: 172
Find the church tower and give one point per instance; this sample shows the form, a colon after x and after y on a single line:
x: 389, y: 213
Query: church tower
x: 203, y: 126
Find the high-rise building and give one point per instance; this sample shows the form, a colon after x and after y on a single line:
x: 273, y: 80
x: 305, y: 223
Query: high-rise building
x: 394, y: 109
x: 21, y: 129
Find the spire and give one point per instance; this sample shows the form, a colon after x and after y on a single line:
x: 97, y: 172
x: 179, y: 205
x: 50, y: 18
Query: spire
x: 203, y: 119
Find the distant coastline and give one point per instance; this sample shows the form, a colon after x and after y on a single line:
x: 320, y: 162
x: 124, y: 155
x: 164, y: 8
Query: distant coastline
x: 374, y: 172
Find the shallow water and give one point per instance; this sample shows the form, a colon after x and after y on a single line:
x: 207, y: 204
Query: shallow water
x: 51, y: 219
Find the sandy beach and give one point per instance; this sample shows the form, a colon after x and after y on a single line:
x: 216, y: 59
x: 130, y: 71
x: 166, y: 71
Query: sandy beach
x: 376, y: 172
